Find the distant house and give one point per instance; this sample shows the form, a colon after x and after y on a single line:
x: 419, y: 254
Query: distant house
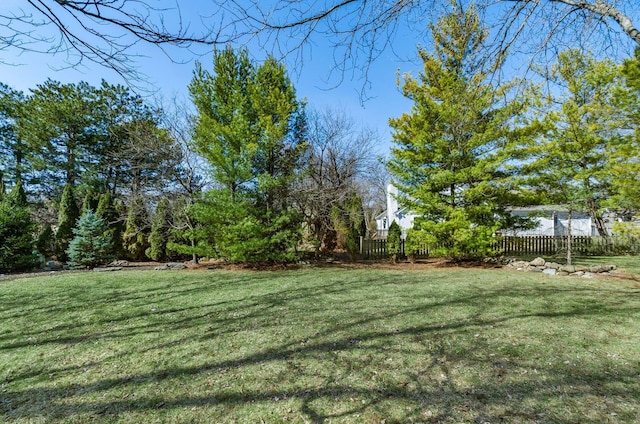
x: 552, y: 220
x: 402, y: 216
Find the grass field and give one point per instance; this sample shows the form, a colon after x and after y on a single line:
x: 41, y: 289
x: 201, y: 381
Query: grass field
x: 320, y: 345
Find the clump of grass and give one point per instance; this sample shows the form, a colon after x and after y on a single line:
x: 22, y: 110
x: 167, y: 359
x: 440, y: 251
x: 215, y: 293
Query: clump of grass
x: 319, y: 345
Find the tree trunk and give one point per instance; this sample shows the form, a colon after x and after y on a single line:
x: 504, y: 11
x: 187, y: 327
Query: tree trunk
x: 194, y: 257
x: 597, y: 220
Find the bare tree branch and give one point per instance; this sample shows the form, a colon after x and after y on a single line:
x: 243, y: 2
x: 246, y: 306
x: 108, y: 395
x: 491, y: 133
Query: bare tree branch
x: 109, y: 32
x: 101, y: 31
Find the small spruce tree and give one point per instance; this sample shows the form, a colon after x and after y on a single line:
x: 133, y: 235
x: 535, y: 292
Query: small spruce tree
x: 90, y: 246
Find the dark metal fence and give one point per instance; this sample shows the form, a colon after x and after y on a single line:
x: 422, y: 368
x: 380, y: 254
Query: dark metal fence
x: 526, y: 246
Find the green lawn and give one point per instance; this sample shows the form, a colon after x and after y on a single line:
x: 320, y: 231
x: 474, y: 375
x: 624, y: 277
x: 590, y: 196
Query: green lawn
x: 320, y: 345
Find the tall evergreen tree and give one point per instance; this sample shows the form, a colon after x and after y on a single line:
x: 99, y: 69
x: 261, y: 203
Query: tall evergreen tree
x: 625, y: 161
x: 246, y: 128
x: 224, y: 132
x: 449, y: 160
x: 573, y: 163
x: 135, y: 236
x: 68, y: 214
x: 60, y: 127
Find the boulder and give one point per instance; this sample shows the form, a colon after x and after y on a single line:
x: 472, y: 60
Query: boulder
x: 549, y: 271
x: 601, y: 268
x: 519, y: 264
x: 568, y: 268
x: 537, y: 262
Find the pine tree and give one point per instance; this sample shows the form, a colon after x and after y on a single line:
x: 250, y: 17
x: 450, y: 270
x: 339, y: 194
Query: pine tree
x: 68, y: 214
x: 89, y: 247
x: 159, y: 235
x: 16, y: 233
x: 449, y: 161
x: 247, y: 129
x: 577, y: 159
x: 625, y: 166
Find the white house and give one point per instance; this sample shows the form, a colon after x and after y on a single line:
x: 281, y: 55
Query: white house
x: 402, y: 216
x: 551, y: 220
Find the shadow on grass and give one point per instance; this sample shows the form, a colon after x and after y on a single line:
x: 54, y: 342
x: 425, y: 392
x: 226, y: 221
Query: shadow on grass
x: 505, y: 383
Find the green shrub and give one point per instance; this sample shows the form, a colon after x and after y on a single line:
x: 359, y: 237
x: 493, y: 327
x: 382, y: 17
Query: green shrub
x: 394, y: 241
x: 68, y: 214
x: 159, y: 235
x: 16, y: 233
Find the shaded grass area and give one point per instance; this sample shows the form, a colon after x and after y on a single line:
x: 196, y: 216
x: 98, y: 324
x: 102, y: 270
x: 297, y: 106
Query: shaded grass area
x: 319, y: 345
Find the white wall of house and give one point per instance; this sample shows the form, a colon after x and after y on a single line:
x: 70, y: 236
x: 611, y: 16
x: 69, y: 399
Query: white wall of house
x: 554, y: 223
x: 394, y: 213
x: 551, y: 220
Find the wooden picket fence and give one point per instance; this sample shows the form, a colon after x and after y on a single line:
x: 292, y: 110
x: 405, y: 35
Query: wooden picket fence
x: 526, y: 246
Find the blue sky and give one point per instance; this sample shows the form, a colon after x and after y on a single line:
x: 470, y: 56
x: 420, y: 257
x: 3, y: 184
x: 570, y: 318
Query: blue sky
x: 168, y: 77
